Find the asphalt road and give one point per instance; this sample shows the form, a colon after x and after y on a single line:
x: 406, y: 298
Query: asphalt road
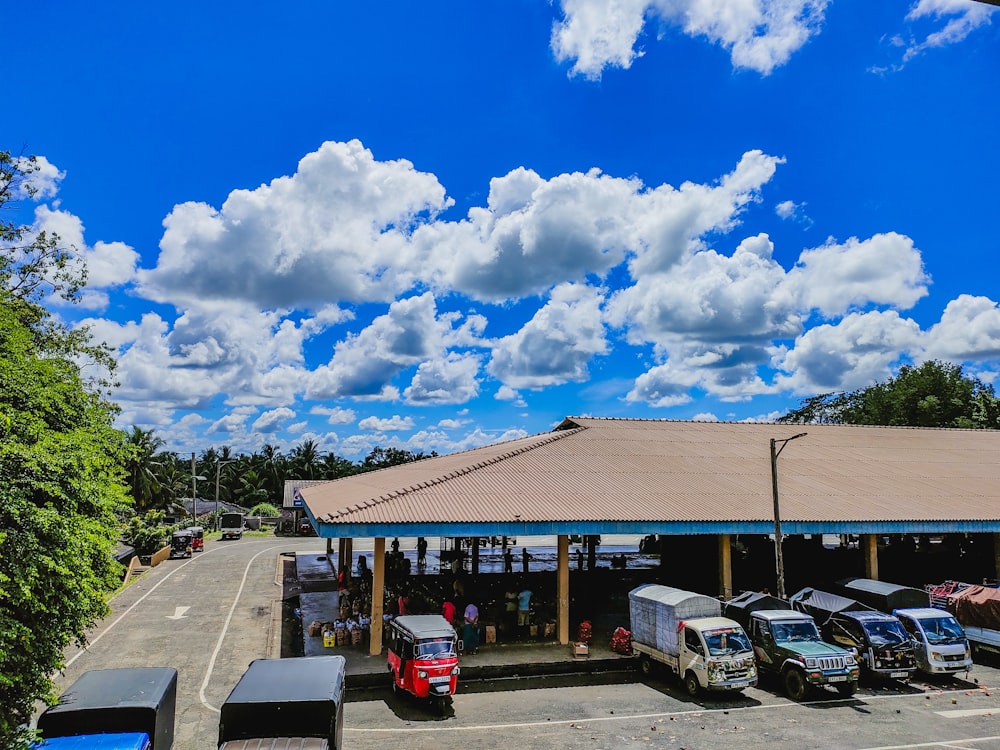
x: 212, y: 615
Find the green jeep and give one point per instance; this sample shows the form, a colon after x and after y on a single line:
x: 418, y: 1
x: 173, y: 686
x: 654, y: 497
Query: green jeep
x: 788, y: 644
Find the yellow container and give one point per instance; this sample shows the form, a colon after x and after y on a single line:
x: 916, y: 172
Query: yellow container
x: 329, y: 640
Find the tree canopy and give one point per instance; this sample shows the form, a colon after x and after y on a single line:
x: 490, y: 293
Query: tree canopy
x: 933, y: 394
x: 61, y: 468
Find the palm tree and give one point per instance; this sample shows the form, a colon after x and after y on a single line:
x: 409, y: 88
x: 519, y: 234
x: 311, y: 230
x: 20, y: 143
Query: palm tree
x: 144, y: 466
x: 305, y: 459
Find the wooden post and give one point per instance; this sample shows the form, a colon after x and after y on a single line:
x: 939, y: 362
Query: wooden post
x: 725, y: 567
x: 869, y: 547
x: 562, y: 589
x: 349, y: 555
x: 378, y: 595
x: 341, y: 551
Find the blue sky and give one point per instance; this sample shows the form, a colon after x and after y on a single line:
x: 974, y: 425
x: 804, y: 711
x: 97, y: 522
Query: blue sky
x: 435, y: 226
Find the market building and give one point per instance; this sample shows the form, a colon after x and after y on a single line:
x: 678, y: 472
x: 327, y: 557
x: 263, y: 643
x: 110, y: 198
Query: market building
x: 695, y: 486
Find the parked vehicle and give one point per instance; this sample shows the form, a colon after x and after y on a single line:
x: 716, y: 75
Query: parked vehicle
x: 288, y: 702
x: 197, y: 538
x: 231, y: 525
x: 883, y: 647
x: 977, y: 608
x: 423, y: 657
x: 181, y: 544
x: 788, y: 645
x: 114, y: 709
x: 686, y: 632
x: 939, y: 642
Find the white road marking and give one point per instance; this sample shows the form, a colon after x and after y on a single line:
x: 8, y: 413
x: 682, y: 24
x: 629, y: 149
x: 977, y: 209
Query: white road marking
x: 964, y: 744
x: 645, y: 717
x: 959, y: 713
x: 225, y: 628
x: 178, y: 613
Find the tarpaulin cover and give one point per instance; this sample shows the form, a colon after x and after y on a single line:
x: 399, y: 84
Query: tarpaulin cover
x: 976, y: 606
x: 740, y: 607
x: 656, y: 611
x: 129, y: 700
x: 822, y: 604
x: 882, y: 595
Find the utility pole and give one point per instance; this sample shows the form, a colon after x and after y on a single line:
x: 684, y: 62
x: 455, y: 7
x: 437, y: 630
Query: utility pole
x: 194, y: 490
x: 779, y: 562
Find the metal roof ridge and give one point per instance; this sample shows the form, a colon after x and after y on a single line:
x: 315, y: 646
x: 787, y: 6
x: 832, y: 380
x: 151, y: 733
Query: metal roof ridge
x: 544, y: 439
x: 669, y: 420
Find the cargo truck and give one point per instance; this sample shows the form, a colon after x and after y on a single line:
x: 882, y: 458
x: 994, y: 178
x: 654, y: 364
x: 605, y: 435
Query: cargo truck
x: 686, y: 632
x: 113, y: 709
x: 977, y: 608
x: 939, y: 641
x: 231, y: 525
x: 788, y: 646
x: 286, y: 703
x: 883, y: 647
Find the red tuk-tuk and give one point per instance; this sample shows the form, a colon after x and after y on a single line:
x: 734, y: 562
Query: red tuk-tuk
x: 197, y: 538
x: 423, y: 657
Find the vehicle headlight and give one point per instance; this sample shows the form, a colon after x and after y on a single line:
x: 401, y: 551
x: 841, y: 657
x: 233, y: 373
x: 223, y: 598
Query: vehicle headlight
x: 936, y: 656
x: 850, y: 661
x: 811, y: 662
x: 716, y: 673
x: 455, y: 670
x: 422, y: 674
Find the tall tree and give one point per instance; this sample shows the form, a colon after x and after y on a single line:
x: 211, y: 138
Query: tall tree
x: 143, y: 467
x: 62, y: 468
x: 933, y: 394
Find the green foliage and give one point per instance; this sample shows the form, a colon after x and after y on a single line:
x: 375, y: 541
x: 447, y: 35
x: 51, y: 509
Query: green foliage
x: 146, y: 532
x: 61, y: 469
x: 266, y: 510
x: 933, y: 394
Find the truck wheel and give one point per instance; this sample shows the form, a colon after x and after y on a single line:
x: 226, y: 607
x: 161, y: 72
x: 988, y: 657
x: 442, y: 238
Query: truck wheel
x: 847, y: 689
x: 795, y: 684
x: 645, y: 665
x: 691, y: 684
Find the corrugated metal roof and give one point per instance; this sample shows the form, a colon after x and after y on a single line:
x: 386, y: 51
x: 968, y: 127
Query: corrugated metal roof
x: 622, y: 471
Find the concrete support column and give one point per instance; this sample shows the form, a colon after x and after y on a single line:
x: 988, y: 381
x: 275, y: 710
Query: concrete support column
x: 869, y: 548
x: 378, y: 596
x: 349, y: 555
x: 341, y: 550
x: 725, y: 567
x: 562, y: 589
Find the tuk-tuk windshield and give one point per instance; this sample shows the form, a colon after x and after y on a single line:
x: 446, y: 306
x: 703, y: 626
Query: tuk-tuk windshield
x: 435, y: 648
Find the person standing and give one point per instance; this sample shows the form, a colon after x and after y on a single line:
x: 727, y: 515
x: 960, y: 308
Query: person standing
x: 448, y: 611
x: 421, y: 552
x: 508, y: 561
x: 524, y: 559
x: 524, y: 608
x: 510, y: 609
x: 470, y: 629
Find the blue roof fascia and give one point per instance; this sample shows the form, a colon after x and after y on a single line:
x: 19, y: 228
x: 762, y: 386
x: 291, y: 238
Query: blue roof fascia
x: 352, y: 530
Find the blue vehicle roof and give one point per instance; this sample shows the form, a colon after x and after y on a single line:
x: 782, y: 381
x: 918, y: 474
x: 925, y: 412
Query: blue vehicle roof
x: 111, y: 741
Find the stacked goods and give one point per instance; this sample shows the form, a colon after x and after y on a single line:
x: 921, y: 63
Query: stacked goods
x: 976, y: 606
x: 621, y: 641
x: 657, y: 611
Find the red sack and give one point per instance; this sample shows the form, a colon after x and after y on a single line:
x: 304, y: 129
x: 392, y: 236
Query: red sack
x: 621, y: 641
x: 584, y: 633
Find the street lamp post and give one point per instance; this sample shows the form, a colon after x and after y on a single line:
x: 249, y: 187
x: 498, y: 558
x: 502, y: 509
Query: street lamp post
x: 779, y: 562
x: 218, y: 468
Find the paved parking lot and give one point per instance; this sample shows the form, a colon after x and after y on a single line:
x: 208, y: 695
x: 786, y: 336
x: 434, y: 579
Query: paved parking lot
x: 211, y: 615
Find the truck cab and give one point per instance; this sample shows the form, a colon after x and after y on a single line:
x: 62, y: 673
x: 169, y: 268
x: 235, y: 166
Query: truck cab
x: 788, y: 645
x: 940, y: 642
x: 231, y: 525
x: 883, y: 647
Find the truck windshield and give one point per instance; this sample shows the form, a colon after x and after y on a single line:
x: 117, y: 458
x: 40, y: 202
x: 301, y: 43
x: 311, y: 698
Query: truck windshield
x: 887, y: 633
x: 942, y: 630
x: 795, y: 631
x: 726, y: 641
x: 437, y: 648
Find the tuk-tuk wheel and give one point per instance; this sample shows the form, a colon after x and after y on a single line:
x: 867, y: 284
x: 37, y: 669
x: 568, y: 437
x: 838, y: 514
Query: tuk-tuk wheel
x: 442, y: 705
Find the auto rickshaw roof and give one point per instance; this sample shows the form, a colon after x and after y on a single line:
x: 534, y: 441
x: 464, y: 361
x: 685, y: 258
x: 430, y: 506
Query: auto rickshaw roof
x: 182, y: 534
x: 426, y: 626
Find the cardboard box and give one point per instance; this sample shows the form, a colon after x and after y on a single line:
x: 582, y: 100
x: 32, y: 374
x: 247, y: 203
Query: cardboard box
x: 533, y: 631
x: 581, y: 649
x: 491, y: 633
x: 315, y: 628
x: 550, y: 629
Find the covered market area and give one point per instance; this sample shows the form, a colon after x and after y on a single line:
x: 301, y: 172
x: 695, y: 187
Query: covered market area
x: 705, y: 502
